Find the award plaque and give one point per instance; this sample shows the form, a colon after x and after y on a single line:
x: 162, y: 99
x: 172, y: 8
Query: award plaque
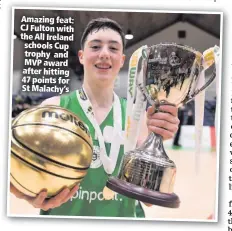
x: 170, y: 74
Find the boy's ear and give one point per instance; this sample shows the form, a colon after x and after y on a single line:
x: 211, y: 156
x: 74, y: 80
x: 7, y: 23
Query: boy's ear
x: 123, y: 60
x: 80, y: 56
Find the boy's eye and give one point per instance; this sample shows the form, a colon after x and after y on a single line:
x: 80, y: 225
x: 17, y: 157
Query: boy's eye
x: 95, y: 47
x: 114, y: 48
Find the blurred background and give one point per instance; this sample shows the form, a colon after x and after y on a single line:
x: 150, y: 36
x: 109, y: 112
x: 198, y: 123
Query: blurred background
x: 200, y: 31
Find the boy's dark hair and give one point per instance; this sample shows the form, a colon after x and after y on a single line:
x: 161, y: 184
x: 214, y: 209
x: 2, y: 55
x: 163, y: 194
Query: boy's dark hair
x: 102, y: 23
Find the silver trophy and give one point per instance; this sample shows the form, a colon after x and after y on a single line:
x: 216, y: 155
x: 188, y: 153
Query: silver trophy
x: 171, y: 75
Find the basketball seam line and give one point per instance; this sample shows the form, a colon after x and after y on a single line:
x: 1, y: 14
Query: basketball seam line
x: 52, y: 125
x: 22, y: 185
x: 44, y: 170
x: 45, y: 157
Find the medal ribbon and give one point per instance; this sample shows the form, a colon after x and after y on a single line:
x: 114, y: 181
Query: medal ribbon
x: 217, y: 63
x: 109, y: 162
x: 136, y: 102
x: 212, y: 56
x: 199, y: 119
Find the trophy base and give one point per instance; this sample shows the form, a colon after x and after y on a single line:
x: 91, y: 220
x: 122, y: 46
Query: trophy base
x: 143, y: 194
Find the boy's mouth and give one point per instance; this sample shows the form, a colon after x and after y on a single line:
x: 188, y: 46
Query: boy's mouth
x: 103, y: 66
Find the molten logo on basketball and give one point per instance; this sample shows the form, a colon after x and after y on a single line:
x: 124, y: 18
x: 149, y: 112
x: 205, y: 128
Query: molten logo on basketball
x: 65, y: 117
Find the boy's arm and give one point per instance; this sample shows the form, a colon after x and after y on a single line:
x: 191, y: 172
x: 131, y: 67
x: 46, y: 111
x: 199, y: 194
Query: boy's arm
x: 51, y: 101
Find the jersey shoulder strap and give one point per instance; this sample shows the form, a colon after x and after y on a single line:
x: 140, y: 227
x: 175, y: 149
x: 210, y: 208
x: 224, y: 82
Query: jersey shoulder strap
x: 65, y: 100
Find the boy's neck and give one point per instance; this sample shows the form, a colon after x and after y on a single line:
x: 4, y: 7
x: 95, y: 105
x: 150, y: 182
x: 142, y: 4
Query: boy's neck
x: 99, y: 97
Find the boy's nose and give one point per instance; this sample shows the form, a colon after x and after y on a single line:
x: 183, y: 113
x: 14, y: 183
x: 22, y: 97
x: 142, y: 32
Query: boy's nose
x: 104, y: 53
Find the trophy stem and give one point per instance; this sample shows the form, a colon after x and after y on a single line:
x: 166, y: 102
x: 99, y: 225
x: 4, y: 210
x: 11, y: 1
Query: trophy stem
x: 154, y: 146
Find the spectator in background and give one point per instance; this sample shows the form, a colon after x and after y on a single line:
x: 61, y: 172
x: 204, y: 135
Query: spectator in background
x: 181, y: 119
x: 190, y: 113
x: 20, y: 104
x: 17, y: 105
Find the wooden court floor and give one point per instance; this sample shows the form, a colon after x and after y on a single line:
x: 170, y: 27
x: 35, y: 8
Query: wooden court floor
x: 196, y: 189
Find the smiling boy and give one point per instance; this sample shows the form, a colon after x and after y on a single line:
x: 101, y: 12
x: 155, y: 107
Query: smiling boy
x: 96, y: 104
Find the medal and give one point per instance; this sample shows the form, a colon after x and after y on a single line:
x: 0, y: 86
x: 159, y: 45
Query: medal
x: 109, y: 162
x: 108, y: 194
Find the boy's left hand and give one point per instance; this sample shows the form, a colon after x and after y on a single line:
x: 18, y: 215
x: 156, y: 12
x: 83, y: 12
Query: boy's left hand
x: 165, y: 122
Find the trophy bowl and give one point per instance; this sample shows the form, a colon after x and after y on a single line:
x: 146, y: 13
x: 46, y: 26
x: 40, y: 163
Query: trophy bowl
x: 171, y: 75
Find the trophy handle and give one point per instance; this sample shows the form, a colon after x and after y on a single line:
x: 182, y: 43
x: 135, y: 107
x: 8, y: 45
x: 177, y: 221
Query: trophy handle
x: 205, y: 86
x: 208, y: 59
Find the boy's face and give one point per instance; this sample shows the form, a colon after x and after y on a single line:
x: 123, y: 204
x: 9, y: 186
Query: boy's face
x: 102, y: 55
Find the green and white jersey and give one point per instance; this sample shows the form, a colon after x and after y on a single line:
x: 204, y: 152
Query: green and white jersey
x: 89, y: 201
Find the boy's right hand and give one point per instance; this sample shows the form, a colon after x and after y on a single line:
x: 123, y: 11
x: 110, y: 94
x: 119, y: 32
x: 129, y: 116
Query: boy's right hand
x: 40, y: 200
